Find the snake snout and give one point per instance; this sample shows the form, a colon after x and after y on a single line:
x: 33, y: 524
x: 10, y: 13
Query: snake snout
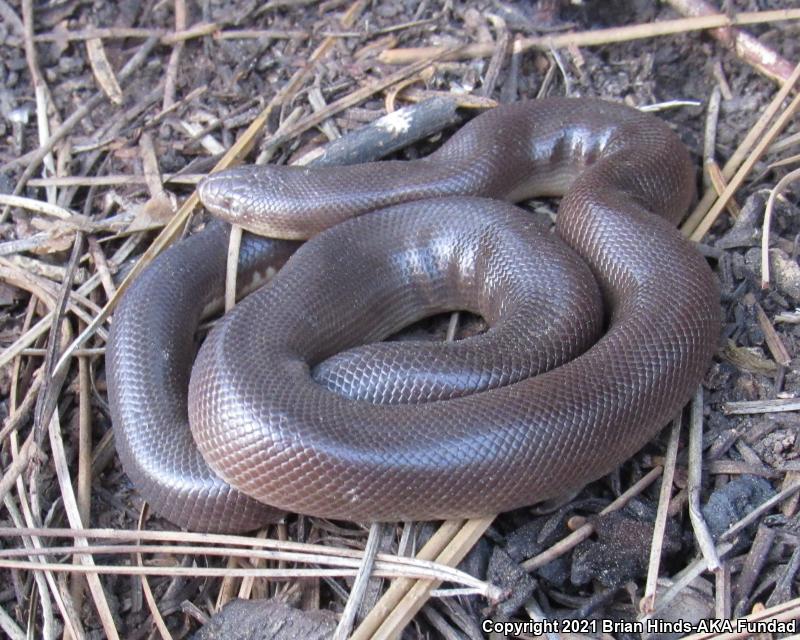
x: 215, y: 194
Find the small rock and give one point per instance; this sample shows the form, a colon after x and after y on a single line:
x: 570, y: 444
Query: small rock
x: 508, y: 575
x: 746, y: 231
x: 387, y: 9
x: 688, y: 607
x: 785, y: 274
x: 536, y: 536
x: 784, y: 271
x: 267, y: 620
x: 734, y: 501
x: 778, y: 447
x: 622, y: 548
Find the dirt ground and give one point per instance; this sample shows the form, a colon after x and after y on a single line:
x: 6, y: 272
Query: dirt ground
x: 139, y: 116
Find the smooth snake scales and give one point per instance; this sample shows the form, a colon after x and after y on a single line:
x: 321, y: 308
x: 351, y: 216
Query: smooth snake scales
x: 286, y: 405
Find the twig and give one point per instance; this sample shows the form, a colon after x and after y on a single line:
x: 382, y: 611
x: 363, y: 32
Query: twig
x: 738, y: 178
x: 761, y: 406
x: 596, y: 37
x: 391, y: 132
x: 763, y: 58
x: 44, y: 100
x: 582, y: 533
x: 783, y: 612
x: 48, y: 397
x: 686, y: 577
x: 168, y: 36
x: 111, y: 180
x: 740, y: 155
x: 660, y: 525
x: 359, y: 587
x: 774, y: 342
x: 399, y: 588
x: 701, y: 532
x: 42, y: 581
x: 754, y: 562
x: 387, y: 619
x: 103, y: 72
x: 756, y: 513
x: 498, y: 57
x: 722, y: 592
x: 404, y: 573
x: 13, y: 422
x: 710, y: 129
x: 158, y: 620
x: 174, y: 56
x: 783, y: 183
x: 73, y: 515
x: 35, y: 158
x: 223, y: 545
x: 84, y: 480
x: 20, y: 463
x: 7, y: 623
x: 232, y: 266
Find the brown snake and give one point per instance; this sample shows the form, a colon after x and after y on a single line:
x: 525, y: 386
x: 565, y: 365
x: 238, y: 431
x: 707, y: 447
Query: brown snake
x: 287, y: 406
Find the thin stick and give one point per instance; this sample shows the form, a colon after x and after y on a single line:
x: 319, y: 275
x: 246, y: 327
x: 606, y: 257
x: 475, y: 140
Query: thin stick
x: 35, y: 158
x: 168, y: 36
x: 742, y: 151
x: 764, y: 59
x: 175, y: 56
x: 13, y: 422
x: 744, y: 170
x: 158, y: 620
x: 232, y: 266
x: 41, y: 91
x: 746, y: 407
x: 782, y: 612
x: 722, y: 592
x: 359, y: 587
x: 412, y: 601
x: 71, y: 509
x: 596, y: 37
x: 84, y: 482
x: 337, y: 557
x: 701, y: 532
x: 659, y: 527
x: 710, y: 131
x: 783, y: 183
x: 9, y: 626
x: 416, y: 568
x: 111, y: 180
x: 686, y: 577
x: 43, y: 582
x: 761, y: 509
x: 399, y: 588
x: 579, y: 535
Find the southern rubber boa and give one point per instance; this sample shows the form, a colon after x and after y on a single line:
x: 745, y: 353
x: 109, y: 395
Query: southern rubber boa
x: 295, y: 403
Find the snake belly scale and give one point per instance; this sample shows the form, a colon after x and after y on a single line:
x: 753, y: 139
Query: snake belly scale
x: 294, y: 403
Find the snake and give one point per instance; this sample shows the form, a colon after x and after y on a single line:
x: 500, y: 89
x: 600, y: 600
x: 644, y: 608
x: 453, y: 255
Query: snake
x: 598, y: 332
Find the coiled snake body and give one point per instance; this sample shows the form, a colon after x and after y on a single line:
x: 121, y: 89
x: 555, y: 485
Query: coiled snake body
x: 288, y: 410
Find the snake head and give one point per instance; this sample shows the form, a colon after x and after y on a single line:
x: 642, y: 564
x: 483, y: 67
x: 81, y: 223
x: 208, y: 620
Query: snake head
x: 264, y: 199
x: 226, y: 194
